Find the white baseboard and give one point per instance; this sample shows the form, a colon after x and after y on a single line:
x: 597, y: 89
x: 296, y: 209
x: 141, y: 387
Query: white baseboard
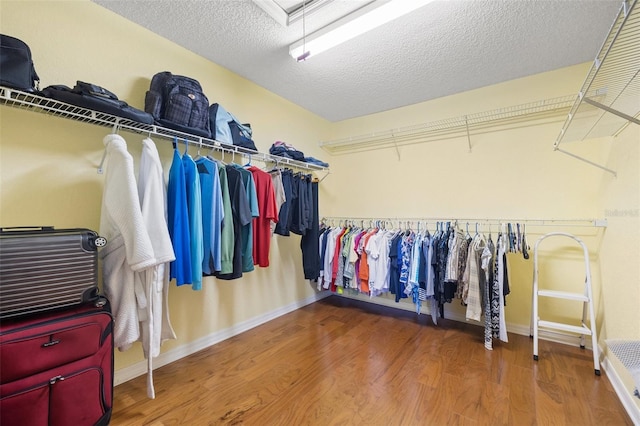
x: 623, y: 393
x: 138, y: 369
x: 567, y: 339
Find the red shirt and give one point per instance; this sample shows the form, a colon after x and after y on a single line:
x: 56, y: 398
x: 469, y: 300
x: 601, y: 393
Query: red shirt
x: 268, y: 211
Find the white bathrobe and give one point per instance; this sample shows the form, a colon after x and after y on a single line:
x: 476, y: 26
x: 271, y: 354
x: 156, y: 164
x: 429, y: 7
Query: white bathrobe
x: 129, y: 247
x: 155, y: 326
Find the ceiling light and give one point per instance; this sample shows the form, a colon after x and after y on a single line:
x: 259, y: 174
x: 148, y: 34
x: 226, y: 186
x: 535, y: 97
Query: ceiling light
x: 359, y: 22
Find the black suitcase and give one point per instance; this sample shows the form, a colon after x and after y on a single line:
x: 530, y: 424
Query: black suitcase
x: 43, y: 269
x: 57, y: 367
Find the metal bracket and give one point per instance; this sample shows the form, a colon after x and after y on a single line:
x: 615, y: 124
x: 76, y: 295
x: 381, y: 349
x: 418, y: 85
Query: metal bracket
x: 328, y: 172
x: 577, y: 157
x: 611, y: 110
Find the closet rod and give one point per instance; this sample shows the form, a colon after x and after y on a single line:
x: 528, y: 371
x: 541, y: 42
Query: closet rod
x: 36, y: 103
x: 597, y: 223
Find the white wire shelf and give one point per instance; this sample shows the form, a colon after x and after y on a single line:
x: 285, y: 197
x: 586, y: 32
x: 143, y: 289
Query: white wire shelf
x: 32, y: 102
x: 616, y: 73
x: 533, y: 113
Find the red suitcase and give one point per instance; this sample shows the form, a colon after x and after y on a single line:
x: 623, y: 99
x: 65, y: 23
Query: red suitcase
x: 57, y: 368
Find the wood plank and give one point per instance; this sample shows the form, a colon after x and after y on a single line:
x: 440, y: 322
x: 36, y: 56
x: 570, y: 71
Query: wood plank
x: 346, y: 362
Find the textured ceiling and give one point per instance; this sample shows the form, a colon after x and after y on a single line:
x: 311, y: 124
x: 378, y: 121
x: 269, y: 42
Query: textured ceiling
x: 443, y: 48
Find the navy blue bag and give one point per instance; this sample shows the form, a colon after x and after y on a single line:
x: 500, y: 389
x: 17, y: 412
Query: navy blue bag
x: 178, y: 102
x: 16, y: 65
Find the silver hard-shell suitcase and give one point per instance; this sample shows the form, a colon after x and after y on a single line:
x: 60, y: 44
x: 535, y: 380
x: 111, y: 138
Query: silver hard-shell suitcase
x: 43, y: 269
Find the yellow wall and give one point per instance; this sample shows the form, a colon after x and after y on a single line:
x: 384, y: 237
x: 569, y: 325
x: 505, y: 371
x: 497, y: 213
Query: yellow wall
x: 509, y: 174
x: 48, y: 169
x: 48, y: 164
x: 620, y: 250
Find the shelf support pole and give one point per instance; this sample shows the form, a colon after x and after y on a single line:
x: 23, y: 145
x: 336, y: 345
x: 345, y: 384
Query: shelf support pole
x: 577, y: 157
x: 611, y: 110
x: 395, y: 144
x: 466, y: 123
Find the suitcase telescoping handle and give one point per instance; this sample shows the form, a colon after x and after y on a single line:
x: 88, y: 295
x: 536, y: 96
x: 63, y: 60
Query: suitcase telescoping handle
x: 26, y: 228
x: 92, y: 238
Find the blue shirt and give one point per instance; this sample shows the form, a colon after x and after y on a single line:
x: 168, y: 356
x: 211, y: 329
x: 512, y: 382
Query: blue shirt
x: 212, y: 214
x: 178, y: 221
x: 194, y: 208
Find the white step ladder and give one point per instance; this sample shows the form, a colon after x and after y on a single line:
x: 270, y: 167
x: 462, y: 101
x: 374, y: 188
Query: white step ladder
x: 586, y: 298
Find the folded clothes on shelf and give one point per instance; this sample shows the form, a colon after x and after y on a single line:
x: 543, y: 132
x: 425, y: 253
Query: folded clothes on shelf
x: 287, y: 150
x: 315, y: 161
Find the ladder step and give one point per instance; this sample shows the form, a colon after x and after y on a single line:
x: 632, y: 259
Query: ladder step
x: 563, y: 295
x: 565, y: 327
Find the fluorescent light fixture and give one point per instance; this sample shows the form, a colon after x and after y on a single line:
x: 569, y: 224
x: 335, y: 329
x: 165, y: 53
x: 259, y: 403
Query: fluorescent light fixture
x: 354, y: 24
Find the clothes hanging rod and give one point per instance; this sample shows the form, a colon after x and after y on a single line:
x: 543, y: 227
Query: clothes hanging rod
x: 41, y: 104
x: 597, y: 223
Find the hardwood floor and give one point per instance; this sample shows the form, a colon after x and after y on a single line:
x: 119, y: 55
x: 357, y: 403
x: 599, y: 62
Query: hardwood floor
x: 344, y: 362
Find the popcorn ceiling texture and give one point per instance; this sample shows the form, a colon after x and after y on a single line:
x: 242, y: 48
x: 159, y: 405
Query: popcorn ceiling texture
x: 446, y: 47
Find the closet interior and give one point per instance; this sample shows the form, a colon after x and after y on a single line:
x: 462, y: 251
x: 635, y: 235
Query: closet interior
x: 471, y: 269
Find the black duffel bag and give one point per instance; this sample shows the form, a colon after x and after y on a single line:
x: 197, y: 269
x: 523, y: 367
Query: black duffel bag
x: 97, y: 98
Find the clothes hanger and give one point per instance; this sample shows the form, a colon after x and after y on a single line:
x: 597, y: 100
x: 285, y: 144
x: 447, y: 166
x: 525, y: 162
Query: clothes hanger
x: 199, y: 148
x: 114, y: 131
x: 221, y: 161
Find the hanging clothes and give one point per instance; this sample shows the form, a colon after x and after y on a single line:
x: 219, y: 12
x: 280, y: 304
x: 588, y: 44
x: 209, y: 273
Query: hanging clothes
x: 285, y: 215
x: 357, y: 248
x: 394, y: 268
x: 194, y: 211
x: 268, y: 213
x: 155, y: 324
x: 212, y: 214
x: 227, y: 238
x: 129, y: 248
x: 335, y: 262
x: 328, y: 258
x: 463, y: 252
x: 178, y: 218
x: 487, y: 263
x: 308, y: 243
x: 498, y: 320
x: 474, y: 279
x: 382, y: 265
x: 240, y: 215
x: 281, y: 196
x: 247, y: 230
x: 364, y: 264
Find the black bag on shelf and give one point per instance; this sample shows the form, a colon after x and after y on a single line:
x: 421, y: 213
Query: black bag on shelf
x: 97, y: 98
x: 16, y: 65
x: 178, y: 102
